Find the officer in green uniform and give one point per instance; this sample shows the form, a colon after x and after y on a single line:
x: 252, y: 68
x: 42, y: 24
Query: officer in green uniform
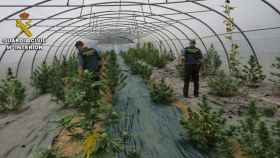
x: 192, y: 64
x: 89, y: 59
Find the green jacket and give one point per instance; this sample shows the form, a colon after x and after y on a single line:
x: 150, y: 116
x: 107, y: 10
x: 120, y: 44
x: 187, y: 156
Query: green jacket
x: 192, y: 55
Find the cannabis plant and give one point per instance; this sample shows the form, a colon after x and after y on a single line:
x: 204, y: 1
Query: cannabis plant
x: 276, y: 76
x: 142, y: 69
x: 59, y: 72
x: 211, y: 62
x: 206, y: 127
x: 223, y: 85
x: 254, y: 135
x: 46, y: 153
x: 51, y: 78
x: 41, y: 78
x: 234, y: 62
x: 83, y: 94
x: 161, y: 93
x: 108, y: 143
x: 12, y: 93
x: 101, y: 144
x: 148, y: 54
x: 253, y: 73
x: 276, y: 134
x: 113, y: 73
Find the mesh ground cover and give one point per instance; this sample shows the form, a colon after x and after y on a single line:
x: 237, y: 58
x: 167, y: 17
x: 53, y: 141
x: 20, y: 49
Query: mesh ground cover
x: 154, y: 131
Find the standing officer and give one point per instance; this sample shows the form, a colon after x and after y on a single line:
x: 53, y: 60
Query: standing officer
x: 192, y: 64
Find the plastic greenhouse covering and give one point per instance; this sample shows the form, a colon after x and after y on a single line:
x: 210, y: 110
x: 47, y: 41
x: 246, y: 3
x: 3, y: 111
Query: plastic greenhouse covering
x: 244, y: 34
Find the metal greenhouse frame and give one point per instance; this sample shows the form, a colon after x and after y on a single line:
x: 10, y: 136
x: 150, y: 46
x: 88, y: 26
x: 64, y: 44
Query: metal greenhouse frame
x: 159, y: 30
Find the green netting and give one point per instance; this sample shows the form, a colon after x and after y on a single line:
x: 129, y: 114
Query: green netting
x: 153, y: 130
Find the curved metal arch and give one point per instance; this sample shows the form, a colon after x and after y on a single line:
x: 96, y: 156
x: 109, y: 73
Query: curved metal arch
x: 83, y: 19
x: 33, y: 60
x: 158, y: 30
x: 238, y: 28
x: 184, y: 25
x: 271, y: 6
x: 166, y: 8
x: 18, y: 65
x: 53, y: 44
x: 101, y: 5
x: 142, y: 27
x: 19, y: 11
x: 128, y: 20
x: 146, y: 29
x: 170, y: 19
x: 154, y: 41
x: 154, y: 19
x: 80, y: 7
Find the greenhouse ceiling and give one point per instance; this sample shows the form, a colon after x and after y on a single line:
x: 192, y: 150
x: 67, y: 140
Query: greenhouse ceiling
x: 168, y: 24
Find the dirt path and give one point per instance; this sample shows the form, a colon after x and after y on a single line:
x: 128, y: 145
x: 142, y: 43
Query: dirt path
x: 22, y: 134
x: 154, y: 130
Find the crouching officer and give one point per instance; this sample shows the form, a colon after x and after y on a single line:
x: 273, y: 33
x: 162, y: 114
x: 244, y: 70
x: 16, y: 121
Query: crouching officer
x: 89, y: 59
x: 192, y: 64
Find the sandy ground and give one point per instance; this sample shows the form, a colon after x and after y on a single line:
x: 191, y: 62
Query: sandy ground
x: 233, y: 106
x: 24, y: 133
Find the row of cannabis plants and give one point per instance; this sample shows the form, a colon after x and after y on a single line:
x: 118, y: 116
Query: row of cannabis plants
x: 12, y: 93
x: 142, y: 61
x: 151, y: 55
x: 90, y: 95
x: 210, y: 132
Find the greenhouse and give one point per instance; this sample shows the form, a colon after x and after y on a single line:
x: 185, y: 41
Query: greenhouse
x: 140, y: 79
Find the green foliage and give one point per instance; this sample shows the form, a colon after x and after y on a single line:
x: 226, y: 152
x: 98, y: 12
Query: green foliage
x: 149, y: 55
x: 113, y: 73
x: 269, y: 111
x: 83, y: 94
x: 255, y: 137
x: 12, y: 93
x: 161, y: 93
x: 234, y: 55
x: 137, y: 66
x: 276, y: 134
x: 41, y: 78
x: 107, y: 144
x: 142, y: 69
x: 223, y: 85
x: 252, y: 73
x: 211, y: 62
x: 208, y: 131
x: 234, y: 62
x: 46, y: 153
x: 50, y: 78
x: 276, y: 75
x: 206, y: 127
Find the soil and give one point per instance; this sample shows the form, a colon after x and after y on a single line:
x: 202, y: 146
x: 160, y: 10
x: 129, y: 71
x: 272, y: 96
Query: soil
x: 153, y: 130
x: 22, y: 134
x: 233, y: 106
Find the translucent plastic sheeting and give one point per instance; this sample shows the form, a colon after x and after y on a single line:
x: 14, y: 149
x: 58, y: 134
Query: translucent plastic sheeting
x: 169, y: 24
